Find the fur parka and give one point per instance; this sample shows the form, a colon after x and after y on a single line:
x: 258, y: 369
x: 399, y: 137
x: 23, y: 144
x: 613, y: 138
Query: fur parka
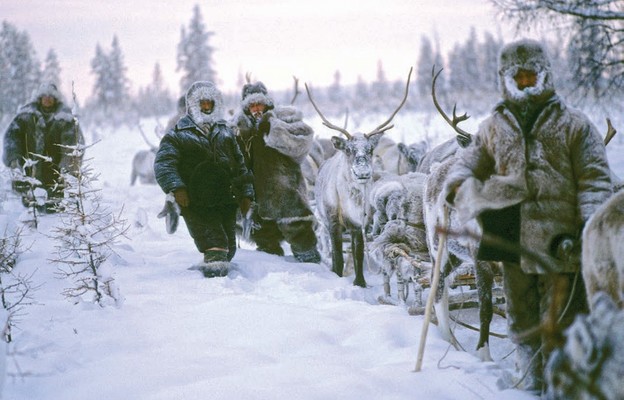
x: 205, y: 159
x: 274, y: 149
x: 34, y: 131
x: 553, y: 171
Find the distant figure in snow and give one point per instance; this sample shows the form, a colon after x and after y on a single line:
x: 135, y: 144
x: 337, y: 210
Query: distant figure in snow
x: 275, y: 141
x: 38, y: 132
x: 200, y: 163
x: 533, y: 175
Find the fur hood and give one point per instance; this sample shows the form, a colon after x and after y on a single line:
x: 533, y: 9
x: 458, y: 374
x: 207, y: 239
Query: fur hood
x: 47, y: 89
x: 528, y: 55
x: 255, y: 93
x: 60, y: 111
x: 204, y: 90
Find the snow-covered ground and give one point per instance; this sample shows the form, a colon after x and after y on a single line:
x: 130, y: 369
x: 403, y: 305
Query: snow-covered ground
x: 271, y: 329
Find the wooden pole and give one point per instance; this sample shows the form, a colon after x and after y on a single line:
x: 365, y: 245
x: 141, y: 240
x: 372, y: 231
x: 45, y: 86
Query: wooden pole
x: 432, y: 291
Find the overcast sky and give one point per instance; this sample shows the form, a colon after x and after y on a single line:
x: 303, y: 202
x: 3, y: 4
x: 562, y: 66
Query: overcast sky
x: 271, y: 39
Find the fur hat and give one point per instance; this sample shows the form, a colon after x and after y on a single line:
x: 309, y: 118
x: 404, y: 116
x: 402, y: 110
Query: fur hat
x: 528, y: 55
x: 204, y: 90
x: 47, y: 89
x: 254, y: 93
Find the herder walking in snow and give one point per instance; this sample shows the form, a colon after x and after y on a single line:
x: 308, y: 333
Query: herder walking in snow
x: 535, y: 172
x: 40, y: 129
x: 275, y: 141
x: 200, y: 162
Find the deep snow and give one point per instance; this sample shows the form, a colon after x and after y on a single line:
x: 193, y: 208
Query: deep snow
x: 271, y: 329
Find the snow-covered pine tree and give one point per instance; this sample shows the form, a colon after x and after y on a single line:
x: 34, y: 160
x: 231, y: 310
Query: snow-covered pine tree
x: 155, y: 99
x: 51, y: 69
x: 33, y: 195
x: 379, y: 90
x: 110, y: 100
x: 85, y: 237
x: 15, y: 289
x: 195, y: 53
x: 426, y: 61
x: 19, y: 70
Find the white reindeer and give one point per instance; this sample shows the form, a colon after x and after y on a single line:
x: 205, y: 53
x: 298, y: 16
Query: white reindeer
x: 398, y: 158
x: 399, y: 238
x: 591, y: 363
x: 342, y: 185
x: 143, y: 162
x: 603, y: 250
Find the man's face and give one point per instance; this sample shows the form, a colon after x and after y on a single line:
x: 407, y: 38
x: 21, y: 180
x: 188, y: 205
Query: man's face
x: 257, y: 109
x: 47, y: 101
x: 206, y: 106
x: 525, y: 78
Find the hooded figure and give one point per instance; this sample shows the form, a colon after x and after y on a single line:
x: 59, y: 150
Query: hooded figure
x: 275, y: 141
x: 200, y: 163
x: 535, y: 172
x: 41, y: 128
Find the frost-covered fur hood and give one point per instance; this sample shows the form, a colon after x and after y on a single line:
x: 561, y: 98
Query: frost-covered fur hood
x: 60, y: 111
x: 204, y: 90
x: 256, y: 93
x: 528, y: 55
x: 47, y: 89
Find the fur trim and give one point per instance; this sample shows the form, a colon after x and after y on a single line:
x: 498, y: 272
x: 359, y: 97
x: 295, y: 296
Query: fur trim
x: 528, y: 55
x: 47, y: 89
x: 256, y: 93
x: 289, y: 134
x: 290, y: 220
x: 214, y: 269
x: 204, y: 90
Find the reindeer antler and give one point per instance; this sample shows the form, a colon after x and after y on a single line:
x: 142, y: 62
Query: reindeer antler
x: 464, y: 137
x: 384, y: 126
x: 151, y: 146
x: 610, y: 132
x: 296, y: 86
x: 325, y: 121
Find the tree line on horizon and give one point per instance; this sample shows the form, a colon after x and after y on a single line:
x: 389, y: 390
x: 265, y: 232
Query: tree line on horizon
x: 469, y: 72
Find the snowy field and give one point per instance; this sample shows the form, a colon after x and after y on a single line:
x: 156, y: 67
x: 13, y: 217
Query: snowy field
x: 271, y: 329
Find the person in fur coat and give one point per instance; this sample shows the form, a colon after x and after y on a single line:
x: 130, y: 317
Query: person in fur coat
x: 275, y: 141
x: 199, y: 161
x: 535, y: 172
x: 41, y: 128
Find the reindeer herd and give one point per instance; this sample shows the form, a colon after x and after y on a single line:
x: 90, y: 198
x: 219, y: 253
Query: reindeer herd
x: 383, y: 200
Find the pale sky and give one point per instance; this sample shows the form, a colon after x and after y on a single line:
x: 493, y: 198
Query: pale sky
x: 273, y: 40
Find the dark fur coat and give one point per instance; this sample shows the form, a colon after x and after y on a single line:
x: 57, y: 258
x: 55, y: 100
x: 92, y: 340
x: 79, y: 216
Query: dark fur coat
x: 34, y: 131
x: 274, y: 150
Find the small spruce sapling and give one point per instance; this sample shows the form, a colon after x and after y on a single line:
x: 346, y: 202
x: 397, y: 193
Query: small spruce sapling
x: 85, y: 235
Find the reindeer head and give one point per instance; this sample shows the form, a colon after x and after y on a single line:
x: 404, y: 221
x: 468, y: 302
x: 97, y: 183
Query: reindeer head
x: 413, y: 153
x: 359, y: 152
x: 358, y: 148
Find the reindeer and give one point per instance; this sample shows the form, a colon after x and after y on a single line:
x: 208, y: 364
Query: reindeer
x: 602, y: 250
x: 143, y: 162
x: 342, y: 185
x: 591, y: 363
x: 460, y: 253
x: 398, y: 158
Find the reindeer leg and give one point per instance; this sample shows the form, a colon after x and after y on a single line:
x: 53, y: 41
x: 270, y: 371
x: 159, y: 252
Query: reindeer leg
x: 335, y: 234
x: 485, y: 280
x: 357, y: 250
x: 387, y: 274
